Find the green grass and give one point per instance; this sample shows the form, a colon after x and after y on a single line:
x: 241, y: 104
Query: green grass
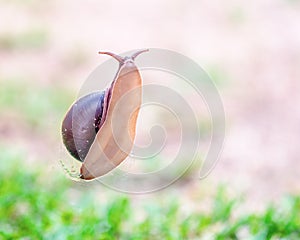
x: 38, y: 205
x: 35, y: 38
x: 218, y: 75
x: 37, y: 105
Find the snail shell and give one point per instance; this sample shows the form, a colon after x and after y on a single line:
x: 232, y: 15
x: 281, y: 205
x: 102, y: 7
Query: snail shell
x: 99, y: 128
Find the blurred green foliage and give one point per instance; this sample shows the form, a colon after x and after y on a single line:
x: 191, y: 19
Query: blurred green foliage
x: 36, y: 205
x: 219, y: 75
x: 38, y: 105
x: 31, y: 39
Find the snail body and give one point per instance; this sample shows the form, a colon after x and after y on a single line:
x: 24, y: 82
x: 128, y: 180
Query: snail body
x: 99, y: 128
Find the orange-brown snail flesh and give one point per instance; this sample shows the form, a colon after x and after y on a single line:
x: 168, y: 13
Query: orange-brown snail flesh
x: 113, y: 143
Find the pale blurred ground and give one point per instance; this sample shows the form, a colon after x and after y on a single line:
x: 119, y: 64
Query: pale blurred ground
x: 250, y: 48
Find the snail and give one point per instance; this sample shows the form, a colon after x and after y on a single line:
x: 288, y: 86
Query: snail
x: 99, y: 128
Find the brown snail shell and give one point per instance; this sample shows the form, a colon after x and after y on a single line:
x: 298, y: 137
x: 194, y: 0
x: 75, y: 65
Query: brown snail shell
x: 89, y: 129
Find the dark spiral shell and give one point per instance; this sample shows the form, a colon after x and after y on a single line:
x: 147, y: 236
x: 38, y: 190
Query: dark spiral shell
x: 81, y: 124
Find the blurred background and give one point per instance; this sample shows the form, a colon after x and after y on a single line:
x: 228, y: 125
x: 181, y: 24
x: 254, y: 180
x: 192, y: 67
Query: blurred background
x: 251, y: 50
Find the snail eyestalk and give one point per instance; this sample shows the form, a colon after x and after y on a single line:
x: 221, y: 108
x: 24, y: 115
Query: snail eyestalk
x: 115, y: 56
x: 138, y: 53
x: 121, y: 59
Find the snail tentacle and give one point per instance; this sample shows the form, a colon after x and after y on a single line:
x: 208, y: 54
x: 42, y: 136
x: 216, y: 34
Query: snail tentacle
x: 138, y: 53
x: 115, y: 56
